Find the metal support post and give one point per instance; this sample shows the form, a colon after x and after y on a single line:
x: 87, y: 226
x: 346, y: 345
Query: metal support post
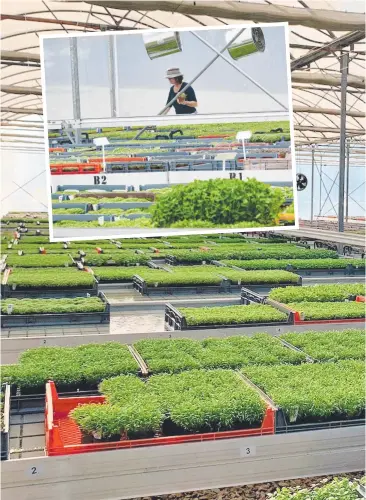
x: 347, y: 180
x: 312, y: 182
x: 320, y: 185
x: 193, y: 80
x: 113, y: 75
x: 241, y: 71
x: 75, y: 86
x: 342, y: 151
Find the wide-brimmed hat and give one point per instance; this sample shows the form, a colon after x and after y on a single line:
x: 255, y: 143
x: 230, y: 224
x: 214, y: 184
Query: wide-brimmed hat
x: 173, y: 73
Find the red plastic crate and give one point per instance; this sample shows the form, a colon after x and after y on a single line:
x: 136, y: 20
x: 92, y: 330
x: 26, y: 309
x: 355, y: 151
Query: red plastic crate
x: 60, y: 150
x: 63, y: 436
x: 360, y: 298
x: 80, y: 168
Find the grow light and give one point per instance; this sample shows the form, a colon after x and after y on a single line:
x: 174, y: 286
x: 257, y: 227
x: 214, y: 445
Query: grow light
x: 249, y: 42
x: 161, y: 44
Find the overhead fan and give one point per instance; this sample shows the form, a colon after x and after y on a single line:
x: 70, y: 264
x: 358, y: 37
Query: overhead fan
x: 301, y: 181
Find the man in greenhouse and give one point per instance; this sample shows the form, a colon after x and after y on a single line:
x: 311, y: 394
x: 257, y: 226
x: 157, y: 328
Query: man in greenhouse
x: 187, y: 101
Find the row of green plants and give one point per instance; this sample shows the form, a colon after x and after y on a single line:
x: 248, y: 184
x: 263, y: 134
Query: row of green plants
x: 318, y: 293
x: 69, y: 367
x: 40, y: 260
x: 213, y: 275
x: 98, y: 201
x: 198, y: 130
x: 314, y: 392
x: 50, y: 278
x: 142, y: 222
x: 123, y: 274
x: 89, y: 364
x: 68, y: 211
x: 189, y: 402
x: 232, y: 315
x: 120, y: 212
x: 176, y: 355
x: 312, y: 311
x: 197, y: 256
x: 329, y: 346
x: 119, y: 258
x: 54, y: 306
x: 296, y: 263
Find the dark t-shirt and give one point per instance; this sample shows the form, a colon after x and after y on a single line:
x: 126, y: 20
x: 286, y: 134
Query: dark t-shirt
x: 181, y: 109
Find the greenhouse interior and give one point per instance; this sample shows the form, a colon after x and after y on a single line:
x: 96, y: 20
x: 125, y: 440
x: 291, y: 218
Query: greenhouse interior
x: 262, y: 332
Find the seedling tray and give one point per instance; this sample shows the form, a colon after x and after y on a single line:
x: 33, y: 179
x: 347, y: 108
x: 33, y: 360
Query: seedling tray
x: 174, y: 320
x: 137, y: 166
x: 52, y: 292
x: 297, y: 321
x: 347, y: 271
x: 101, y: 187
x: 63, y: 436
x: 5, y: 433
x: 140, y: 285
x: 81, y: 217
x: 248, y: 296
x: 284, y: 427
x: 126, y: 205
x: 90, y: 318
x: 84, y: 206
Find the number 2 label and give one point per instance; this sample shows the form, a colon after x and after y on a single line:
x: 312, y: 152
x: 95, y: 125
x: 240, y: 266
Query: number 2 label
x: 34, y: 471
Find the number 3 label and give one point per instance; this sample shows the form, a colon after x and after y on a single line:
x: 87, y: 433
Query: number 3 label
x: 248, y: 451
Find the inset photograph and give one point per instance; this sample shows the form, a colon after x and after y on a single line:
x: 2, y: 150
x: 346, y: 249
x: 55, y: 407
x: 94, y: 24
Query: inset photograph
x: 187, y: 178
x: 178, y: 131
x: 184, y: 74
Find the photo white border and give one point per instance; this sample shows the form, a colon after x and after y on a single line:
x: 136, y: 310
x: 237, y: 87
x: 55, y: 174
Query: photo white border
x: 223, y: 118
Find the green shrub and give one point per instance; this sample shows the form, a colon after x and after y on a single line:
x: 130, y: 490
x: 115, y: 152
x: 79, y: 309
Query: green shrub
x: 338, y: 489
x: 231, y: 315
x: 330, y: 346
x: 317, y: 293
x: 219, y: 201
x: 314, y: 392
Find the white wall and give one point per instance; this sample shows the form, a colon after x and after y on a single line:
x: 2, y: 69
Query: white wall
x: 23, y: 169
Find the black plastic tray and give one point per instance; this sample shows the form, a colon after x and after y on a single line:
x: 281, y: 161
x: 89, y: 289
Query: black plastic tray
x: 174, y: 320
x: 21, y: 293
x: 140, y: 285
x: 283, y: 427
x: 18, y: 320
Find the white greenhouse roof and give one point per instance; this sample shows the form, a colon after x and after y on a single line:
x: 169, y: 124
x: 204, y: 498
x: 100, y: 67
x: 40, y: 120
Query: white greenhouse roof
x: 320, y: 30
